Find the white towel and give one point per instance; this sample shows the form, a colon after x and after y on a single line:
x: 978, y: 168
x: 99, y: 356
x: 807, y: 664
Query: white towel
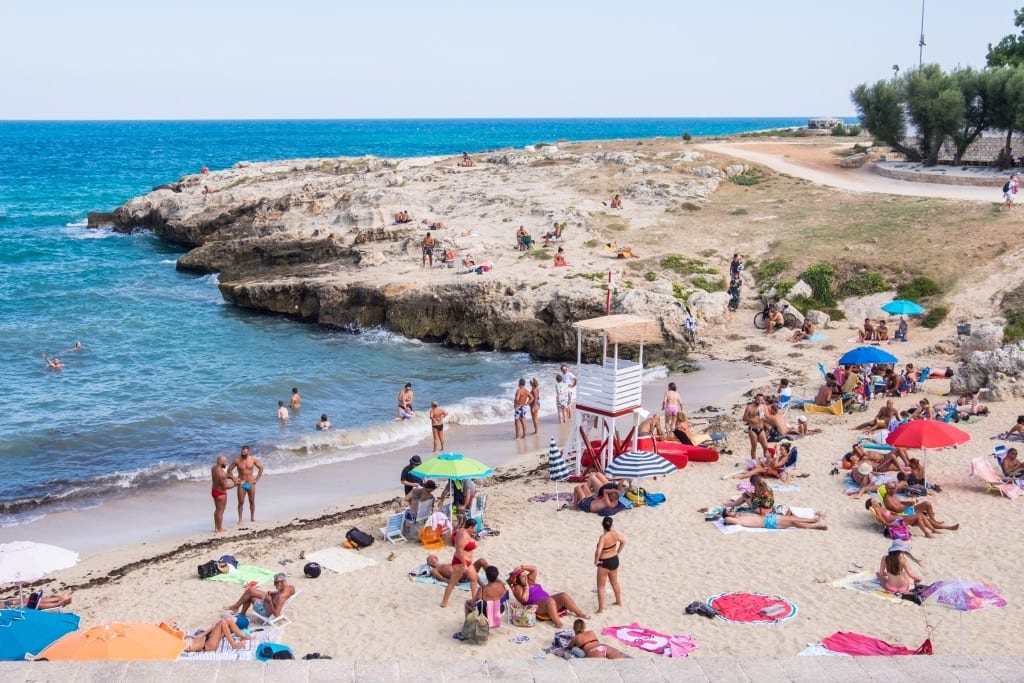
x: 340, y: 560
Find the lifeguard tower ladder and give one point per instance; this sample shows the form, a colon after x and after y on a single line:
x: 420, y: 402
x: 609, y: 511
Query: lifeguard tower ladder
x: 610, y: 392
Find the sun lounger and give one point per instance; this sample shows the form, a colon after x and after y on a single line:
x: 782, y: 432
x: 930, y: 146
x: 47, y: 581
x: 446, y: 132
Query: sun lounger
x: 835, y: 408
x: 982, y: 468
x: 392, y: 531
x: 281, y: 620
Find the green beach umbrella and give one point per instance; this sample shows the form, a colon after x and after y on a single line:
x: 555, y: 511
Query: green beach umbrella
x: 453, y: 466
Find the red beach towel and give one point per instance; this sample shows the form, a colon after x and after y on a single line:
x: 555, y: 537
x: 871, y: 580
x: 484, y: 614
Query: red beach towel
x: 860, y: 645
x: 752, y: 608
x: 636, y: 635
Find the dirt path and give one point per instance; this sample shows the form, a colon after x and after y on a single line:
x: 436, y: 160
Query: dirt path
x: 814, y: 163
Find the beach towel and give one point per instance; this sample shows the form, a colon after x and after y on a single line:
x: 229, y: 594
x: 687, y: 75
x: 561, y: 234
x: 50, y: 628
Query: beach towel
x: 1016, y: 436
x: 752, y: 608
x: 244, y: 573
x: 546, y: 497
x: 636, y: 635
x: 816, y: 337
x: 784, y: 488
x: 464, y: 586
x: 341, y: 560
x: 867, y: 583
x: 729, y: 529
x: 224, y: 652
x: 876, y: 480
x: 858, y: 645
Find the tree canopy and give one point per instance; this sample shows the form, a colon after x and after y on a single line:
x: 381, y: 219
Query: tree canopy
x: 1010, y: 50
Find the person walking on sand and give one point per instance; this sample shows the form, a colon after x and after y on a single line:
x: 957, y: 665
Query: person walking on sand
x: 1010, y: 192
x: 606, y: 557
x: 562, y: 399
x: 757, y: 426
x: 282, y: 411
x: 241, y: 471
x: 520, y: 404
x: 437, y: 416
x: 672, y: 404
x: 570, y: 384
x: 405, y: 398
x: 222, y: 481
x: 296, y: 401
x: 534, y: 401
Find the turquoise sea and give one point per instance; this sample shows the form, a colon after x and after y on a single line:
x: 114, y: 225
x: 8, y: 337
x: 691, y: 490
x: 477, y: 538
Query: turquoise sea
x: 169, y: 375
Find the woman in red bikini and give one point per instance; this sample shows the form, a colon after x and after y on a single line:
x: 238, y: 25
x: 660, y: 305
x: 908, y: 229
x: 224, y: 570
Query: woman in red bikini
x: 589, y: 643
x: 462, y: 561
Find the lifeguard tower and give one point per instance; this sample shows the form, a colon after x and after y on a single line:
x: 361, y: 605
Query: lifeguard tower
x: 609, y: 393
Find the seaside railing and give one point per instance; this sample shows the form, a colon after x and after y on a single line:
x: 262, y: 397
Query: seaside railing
x: 613, y: 387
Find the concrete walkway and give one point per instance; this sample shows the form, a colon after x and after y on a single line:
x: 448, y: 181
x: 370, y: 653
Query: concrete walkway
x: 862, y: 179
x: 934, y: 669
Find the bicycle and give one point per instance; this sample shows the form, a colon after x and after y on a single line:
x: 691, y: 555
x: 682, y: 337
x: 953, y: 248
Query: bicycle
x: 761, y: 319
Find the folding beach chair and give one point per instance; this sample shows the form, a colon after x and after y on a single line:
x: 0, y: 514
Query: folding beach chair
x: 281, y: 620
x: 982, y: 468
x: 392, y: 530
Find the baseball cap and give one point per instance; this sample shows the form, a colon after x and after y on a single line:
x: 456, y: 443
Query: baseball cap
x: 415, y: 460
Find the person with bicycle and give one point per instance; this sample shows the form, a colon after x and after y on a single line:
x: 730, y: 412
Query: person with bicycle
x: 775, y: 319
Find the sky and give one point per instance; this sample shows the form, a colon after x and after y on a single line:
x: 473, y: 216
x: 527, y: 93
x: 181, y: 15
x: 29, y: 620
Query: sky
x: 233, y: 59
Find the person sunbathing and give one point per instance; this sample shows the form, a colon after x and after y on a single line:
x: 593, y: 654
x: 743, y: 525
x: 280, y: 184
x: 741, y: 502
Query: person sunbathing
x: 1017, y: 428
x: 682, y: 430
x: 773, y: 521
x: 867, y: 333
x: 901, y: 331
x: 267, y: 604
x: 209, y: 639
x: 616, y: 202
x: 889, y: 518
x: 770, y: 466
x: 882, y: 417
x: 968, y: 404
x: 1012, y: 467
x: 434, y: 225
x: 924, y: 410
x: 527, y: 591
x: 894, y: 571
x: 607, y: 497
x: 466, y: 161
x: 651, y: 427
x: 554, y: 234
x: 559, y: 260
x: 443, y: 572
x: 39, y: 601
x: 863, y: 475
x: 805, y: 332
x: 922, y: 509
x: 403, y: 217
x: 777, y: 419
x: 761, y: 499
x: 589, y: 642
x: 896, y: 460
x: 881, y: 331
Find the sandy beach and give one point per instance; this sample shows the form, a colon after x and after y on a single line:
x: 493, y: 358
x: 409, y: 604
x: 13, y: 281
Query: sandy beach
x: 139, y: 557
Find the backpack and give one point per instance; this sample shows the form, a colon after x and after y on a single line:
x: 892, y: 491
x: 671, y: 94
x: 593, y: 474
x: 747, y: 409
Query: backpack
x: 360, y: 539
x: 208, y: 569
x: 1006, y: 187
x: 897, y: 532
x: 475, y: 629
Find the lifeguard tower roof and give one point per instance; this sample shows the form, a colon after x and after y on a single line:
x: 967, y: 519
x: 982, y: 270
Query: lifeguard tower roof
x: 624, y: 328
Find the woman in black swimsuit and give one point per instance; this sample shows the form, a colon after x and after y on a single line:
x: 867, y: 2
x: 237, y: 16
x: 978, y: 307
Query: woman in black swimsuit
x: 606, y: 557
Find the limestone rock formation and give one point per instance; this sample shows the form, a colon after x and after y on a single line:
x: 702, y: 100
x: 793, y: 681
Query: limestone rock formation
x: 999, y: 372
x: 984, y: 337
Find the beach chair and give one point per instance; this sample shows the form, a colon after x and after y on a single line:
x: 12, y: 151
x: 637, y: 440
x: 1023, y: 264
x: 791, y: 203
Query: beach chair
x: 281, y: 620
x: 982, y: 468
x: 423, y: 512
x: 392, y: 531
x: 919, y: 384
x: 478, y: 507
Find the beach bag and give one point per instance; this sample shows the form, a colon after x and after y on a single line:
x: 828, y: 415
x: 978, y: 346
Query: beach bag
x: 1006, y: 187
x: 475, y: 629
x: 268, y: 651
x: 636, y: 497
x: 524, y: 616
x: 653, y: 499
x: 208, y: 569
x: 897, y: 532
x: 360, y: 539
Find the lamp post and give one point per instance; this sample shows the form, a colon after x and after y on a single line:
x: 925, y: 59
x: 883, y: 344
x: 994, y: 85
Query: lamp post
x: 920, y: 42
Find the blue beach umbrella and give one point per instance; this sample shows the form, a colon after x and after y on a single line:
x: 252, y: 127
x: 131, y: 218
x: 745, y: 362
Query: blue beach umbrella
x: 902, y: 307
x: 867, y: 355
x: 30, y: 631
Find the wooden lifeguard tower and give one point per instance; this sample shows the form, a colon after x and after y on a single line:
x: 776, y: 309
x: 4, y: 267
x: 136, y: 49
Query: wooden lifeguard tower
x: 610, y: 392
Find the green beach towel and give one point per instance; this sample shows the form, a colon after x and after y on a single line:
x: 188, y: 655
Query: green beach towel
x: 245, y: 573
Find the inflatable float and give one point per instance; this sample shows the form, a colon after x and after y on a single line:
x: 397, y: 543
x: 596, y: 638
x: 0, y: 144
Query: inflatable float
x: 676, y: 453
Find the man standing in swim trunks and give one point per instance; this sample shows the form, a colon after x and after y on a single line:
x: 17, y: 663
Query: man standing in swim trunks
x: 222, y: 481
x: 437, y: 416
x: 757, y: 430
x: 521, y: 404
x: 428, y: 250
x: 245, y: 463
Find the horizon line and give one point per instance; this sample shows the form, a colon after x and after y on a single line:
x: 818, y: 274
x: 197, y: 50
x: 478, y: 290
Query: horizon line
x: 419, y: 118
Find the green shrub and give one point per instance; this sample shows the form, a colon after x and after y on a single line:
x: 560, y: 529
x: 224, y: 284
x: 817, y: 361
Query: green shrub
x: 738, y: 212
x: 539, y: 254
x: 1014, y: 330
x: 686, y: 266
x: 863, y: 284
x: 934, y: 317
x: 835, y: 313
x: 680, y: 293
x: 782, y: 288
x: 708, y: 285
x: 690, y: 206
x: 747, y: 178
x: 687, y: 137
x: 801, y: 303
x: 769, y: 270
x: 918, y: 288
x: 650, y: 276
x: 819, y: 277
x: 853, y: 131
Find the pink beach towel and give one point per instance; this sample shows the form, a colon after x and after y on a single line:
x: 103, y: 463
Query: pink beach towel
x: 636, y: 635
x: 752, y: 608
x: 865, y: 646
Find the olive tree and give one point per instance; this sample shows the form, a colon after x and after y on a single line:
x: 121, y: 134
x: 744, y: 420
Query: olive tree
x: 880, y: 108
x: 1010, y: 50
x: 973, y: 85
x: 936, y: 107
x: 1005, y: 87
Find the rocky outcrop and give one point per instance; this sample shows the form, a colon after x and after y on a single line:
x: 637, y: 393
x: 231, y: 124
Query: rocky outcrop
x: 984, y: 337
x: 999, y: 372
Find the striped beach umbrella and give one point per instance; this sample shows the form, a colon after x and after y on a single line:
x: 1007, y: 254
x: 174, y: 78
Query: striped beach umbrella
x: 558, y: 470
x: 637, y: 465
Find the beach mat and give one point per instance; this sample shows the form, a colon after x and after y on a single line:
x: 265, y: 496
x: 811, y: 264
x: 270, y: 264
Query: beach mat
x: 635, y: 635
x: 816, y: 337
x: 850, y: 486
x: 729, y: 529
x: 752, y: 608
x: 867, y: 583
x: 340, y: 560
x: 464, y: 586
x: 546, y: 497
x: 244, y: 573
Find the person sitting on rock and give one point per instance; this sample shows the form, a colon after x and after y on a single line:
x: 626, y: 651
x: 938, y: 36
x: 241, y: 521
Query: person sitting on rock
x: 616, y: 202
x: 805, y: 332
x: 867, y: 333
x: 881, y: 331
x: 775, y: 319
x: 560, y: 259
x: 466, y: 160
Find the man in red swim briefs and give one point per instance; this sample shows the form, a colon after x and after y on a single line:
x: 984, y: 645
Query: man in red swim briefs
x: 221, y: 483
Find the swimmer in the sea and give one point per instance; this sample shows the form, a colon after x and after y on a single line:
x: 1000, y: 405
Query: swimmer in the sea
x: 77, y: 347
x: 244, y: 465
x: 53, y: 362
x: 282, y: 411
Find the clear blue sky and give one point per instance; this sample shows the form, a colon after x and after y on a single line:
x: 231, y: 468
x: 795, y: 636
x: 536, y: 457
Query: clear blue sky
x: 114, y: 59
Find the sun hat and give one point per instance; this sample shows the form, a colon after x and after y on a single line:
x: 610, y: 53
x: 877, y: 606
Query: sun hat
x: 899, y: 546
x: 865, y: 468
x: 415, y: 460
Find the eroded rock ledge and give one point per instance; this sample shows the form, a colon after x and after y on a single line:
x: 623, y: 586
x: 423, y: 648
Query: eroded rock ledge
x: 315, y: 239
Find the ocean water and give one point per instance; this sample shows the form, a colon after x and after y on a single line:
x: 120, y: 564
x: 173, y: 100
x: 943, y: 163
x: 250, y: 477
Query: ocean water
x: 169, y: 376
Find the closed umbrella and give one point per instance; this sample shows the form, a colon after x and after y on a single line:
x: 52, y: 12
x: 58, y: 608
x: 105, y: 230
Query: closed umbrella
x: 24, y: 631
x: 902, y: 307
x: 867, y: 355
x: 639, y: 464
x: 453, y: 466
x: 124, y: 642
x: 558, y: 470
